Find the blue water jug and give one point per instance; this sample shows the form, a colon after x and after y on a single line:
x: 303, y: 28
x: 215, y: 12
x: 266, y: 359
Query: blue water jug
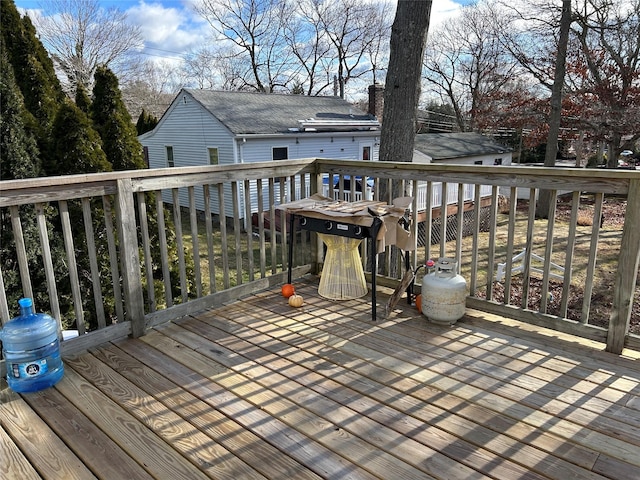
x: 31, y: 350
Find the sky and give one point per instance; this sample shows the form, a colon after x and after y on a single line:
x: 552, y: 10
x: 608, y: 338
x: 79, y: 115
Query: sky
x: 171, y: 27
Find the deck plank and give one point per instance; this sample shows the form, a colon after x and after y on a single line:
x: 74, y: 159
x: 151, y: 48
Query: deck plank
x: 478, y: 432
x: 92, y: 446
x: 361, y: 434
x: 13, y: 464
x: 566, y: 421
x: 319, y: 460
x: 212, y: 458
x: 242, y: 442
x: 48, y: 454
x: 322, y: 438
x: 358, y: 414
x: 144, y: 445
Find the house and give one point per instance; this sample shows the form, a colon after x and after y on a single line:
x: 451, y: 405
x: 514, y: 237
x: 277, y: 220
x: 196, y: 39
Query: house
x: 203, y: 127
x: 460, y: 148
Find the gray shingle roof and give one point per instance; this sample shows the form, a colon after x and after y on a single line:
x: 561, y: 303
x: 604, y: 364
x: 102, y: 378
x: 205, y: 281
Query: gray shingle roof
x: 267, y: 113
x: 441, y: 146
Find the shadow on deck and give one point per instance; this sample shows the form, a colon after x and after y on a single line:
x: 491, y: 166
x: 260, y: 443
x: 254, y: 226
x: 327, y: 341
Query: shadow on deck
x: 257, y: 389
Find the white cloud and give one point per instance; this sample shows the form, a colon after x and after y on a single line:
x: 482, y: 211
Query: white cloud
x: 442, y: 10
x: 172, y: 30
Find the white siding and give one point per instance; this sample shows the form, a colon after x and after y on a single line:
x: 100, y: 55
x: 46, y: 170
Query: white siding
x: 309, y: 145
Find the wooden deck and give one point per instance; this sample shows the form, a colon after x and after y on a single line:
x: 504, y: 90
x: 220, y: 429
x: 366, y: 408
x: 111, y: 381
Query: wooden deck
x: 256, y: 389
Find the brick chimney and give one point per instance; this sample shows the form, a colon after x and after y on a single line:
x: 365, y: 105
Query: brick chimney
x: 376, y: 100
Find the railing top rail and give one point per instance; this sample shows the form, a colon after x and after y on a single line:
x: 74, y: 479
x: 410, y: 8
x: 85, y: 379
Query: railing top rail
x: 33, y: 190
x: 583, y: 179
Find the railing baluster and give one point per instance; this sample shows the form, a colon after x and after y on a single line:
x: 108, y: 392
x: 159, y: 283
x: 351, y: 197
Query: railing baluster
x: 113, y: 258
x: 513, y: 205
x: 223, y: 236
x: 195, y: 242
x: 177, y: 220
x: 21, y: 251
x: 4, y: 306
x: 235, y: 196
x: 164, y: 250
x: 248, y: 208
x: 206, y: 192
x: 548, y: 251
x: 272, y: 225
x: 473, y: 281
x: 48, y: 264
x: 284, y: 237
x: 459, y: 224
x: 593, y: 252
x: 93, y: 262
x: 444, y: 192
x: 73, y: 267
x: 571, y: 245
x: 493, y: 224
x: 146, y: 249
x: 261, y: 233
x: 526, y: 261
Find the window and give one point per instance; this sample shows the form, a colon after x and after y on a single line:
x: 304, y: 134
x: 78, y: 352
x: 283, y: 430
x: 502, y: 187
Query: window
x: 366, y: 153
x: 478, y: 162
x: 213, y: 156
x: 170, y: 156
x: 280, y: 153
x: 497, y: 161
x: 145, y: 153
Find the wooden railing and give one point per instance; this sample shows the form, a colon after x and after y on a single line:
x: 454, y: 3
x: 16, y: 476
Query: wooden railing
x: 183, y: 239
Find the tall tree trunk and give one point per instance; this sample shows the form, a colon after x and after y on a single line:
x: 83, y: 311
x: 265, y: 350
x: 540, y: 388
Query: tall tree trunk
x: 555, y: 115
x: 402, y: 89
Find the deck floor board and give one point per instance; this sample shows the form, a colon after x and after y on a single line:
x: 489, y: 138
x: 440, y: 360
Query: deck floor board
x: 257, y: 389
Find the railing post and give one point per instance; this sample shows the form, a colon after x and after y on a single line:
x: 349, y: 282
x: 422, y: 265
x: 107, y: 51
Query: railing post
x: 132, y: 279
x: 627, y: 272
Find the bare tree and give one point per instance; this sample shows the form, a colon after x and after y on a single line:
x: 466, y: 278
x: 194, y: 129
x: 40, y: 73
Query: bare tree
x: 466, y: 63
x: 80, y: 35
x: 152, y: 87
x: 603, y: 67
x: 606, y: 72
x: 252, y: 29
x: 355, y: 29
x: 310, y: 44
x: 201, y: 68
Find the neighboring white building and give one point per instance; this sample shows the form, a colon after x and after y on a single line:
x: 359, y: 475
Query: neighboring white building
x: 463, y: 148
x: 203, y: 127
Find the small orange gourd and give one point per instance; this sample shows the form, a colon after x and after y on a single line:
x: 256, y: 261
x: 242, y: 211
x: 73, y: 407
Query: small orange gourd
x: 288, y: 290
x: 296, y: 300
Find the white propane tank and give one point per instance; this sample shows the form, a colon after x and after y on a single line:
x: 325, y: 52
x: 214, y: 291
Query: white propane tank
x: 444, y: 293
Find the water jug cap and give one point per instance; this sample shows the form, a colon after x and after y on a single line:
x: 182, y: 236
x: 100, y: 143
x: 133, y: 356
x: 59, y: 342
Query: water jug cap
x: 25, y: 302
